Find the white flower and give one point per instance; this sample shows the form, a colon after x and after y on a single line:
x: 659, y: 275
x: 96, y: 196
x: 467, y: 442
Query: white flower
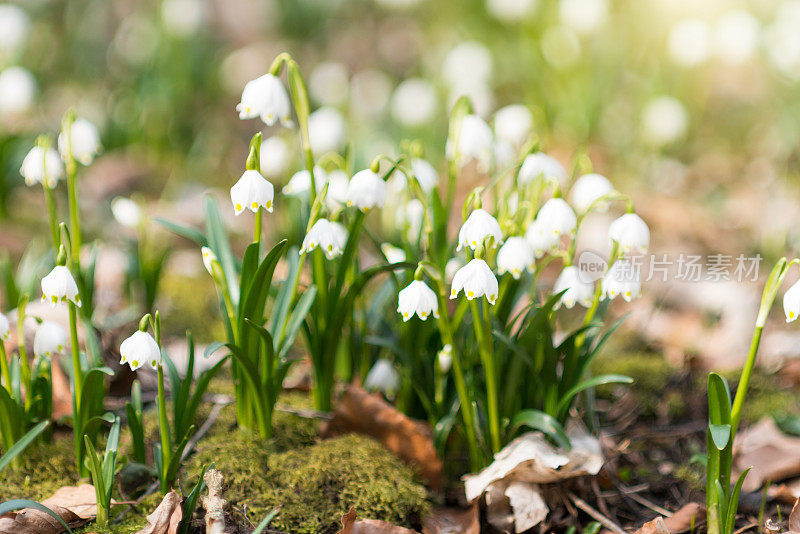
x: 474, y: 140
x: 621, y: 279
x: 5, y: 327
x: 631, y: 233
x: 183, y: 18
x: 42, y: 166
x: 338, y: 181
x: 14, y: 27
x: 50, y: 338
x: 392, y: 253
x: 513, y: 124
x: 417, y: 298
x: 60, y: 286
x: 476, y: 279
x: 251, y: 191
x: 329, y: 83
x: 411, y: 218
x: 325, y: 235
x: 366, y: 190
x: 208, y: 259
x: 540, y: 240
x: 505, y: 154
x: 515, y: 256
x: 688, y: 43
x: 275, y: 156
x: 578, y: 289
x: 83, y: 143
x: 467, y: 63
x: 414, y: 102
x: 452, y: 266
x: 425, y: 174
x: 17, y: 90
x: 445, y: 358
x: 583, y: 16
x: 341, y: 232
x: 538, y: 165
x: 140, y: 349
x: 300, y: 183
x: 791, y: 302
x: 478, y: 227
x: 587, y: 190
x: 511, y: 11
x: 382, y: 377
x: 557, y: 218
x: 664, y: 120
x: 265, y: 97
x: 326, y: 129
x: 736, y: 36
x: 126, y: 212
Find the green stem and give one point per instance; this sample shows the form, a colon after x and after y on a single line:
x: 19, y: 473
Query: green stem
x: 163, y: 423
x: 6, y: 374
x: 487, y: 359
x: 77, y: 367
x: 744, y: 381
x: 74, y: 212
x: 102, y: 517
x: 52, y: 215
x: 257, y: 230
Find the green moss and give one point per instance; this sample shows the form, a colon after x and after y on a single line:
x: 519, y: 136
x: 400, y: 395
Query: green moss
x: 651, y: 375
x: 766, y: 396
x: 314, y: 485
x: 45, y: 468
x: 190, y: 304
x: 692, y: 475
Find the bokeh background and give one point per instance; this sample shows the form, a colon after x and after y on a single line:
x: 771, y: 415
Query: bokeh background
x: 692, y: 105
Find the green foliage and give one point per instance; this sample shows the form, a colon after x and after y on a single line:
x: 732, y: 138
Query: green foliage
x: 103, y: 471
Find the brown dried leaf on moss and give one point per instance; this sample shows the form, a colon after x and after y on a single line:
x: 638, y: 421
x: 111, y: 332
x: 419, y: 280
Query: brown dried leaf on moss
x: 369, y: 526
x: 76, y: 505
x: 772, y: 454
x: 368, y: 414
x: 166, y: 518
x: 453, y: 521
x: 681, y: 521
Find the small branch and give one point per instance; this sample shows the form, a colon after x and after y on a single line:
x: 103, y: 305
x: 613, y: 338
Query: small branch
x: 597, y: 516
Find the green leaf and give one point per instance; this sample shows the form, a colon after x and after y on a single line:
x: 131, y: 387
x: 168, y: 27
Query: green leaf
x: 190, y: 503
x: 567, y: 397
x: 720, y: 435
x: 296, y: 319
x: 265, y: 522
x: 719, y: 400
x: 219, y: 244
x: 592, y: 528
x: 189, y: 233
x: 96, y: 471
x: 22, y: 444
x: 733, y: 505
x: 543, y: 422
x: 18, y: 504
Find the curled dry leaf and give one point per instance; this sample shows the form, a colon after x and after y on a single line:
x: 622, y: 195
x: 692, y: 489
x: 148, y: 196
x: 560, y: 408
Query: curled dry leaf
x: 166, y: 518
x: 656, y: 526
x: 369, y: 526
x: 681, y: 521
x: 510, y: 483
x: 453, y: 521
x: 76, y: 505
x: 772, y: 455
x: 411, y: 440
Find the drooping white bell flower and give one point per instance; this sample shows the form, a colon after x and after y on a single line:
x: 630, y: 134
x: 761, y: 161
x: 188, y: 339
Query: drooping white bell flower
x: 251, y: 192
x: 631, y: 233
x: 326, y: 130
x: 479, y: 226
x: 60, y: 286
x: 338, y: 181
x: 275, y: 156
x: 366, y: 190
x: 445, y: 358
x: 300, y: 183
x: 621, y: 279
x: 126, y: 212
x: 50, y: 338
x: 17, y: 90
x: 557, y: 218
x: 208, y: 259
x: 791, y: 302
x: 140, y: 349
x: 414, y: 102
x: 513, y: 124
x: 474, y: 141
x: 540, y: 165
x: 265, y: 97
x: 539, y: 239
x: 425, y: 174
x: 476, y: 279
x: 515, y: 256
x: 411, y: 217
x: 83, y: 142
x: 588, y: 190
x: 325, y: 235
x: 382, y: 377
x: 451, y: 268
x: 14, y: 28
x: 417, y: 298
x: 5, y: 327
x: 392, y: 253
x: 578, y: 288
x: 42, y: 166
x: 505, y: 154
x: 341, y: 232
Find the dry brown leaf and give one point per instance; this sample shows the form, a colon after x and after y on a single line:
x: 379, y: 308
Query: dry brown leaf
x: 688, y: 515
x: 772, y: 455
x: 411, y: 440
x: 453, y: 521
x: 369, y: 526
x: 76, y: 505
x: 794, y: 518
x: 166, y: 518
x: 656, y: 526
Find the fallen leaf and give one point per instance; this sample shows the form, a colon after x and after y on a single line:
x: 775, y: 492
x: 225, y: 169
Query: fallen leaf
x: 794, y: 518
x: 411, y: 440
x: 166, y: 518
x: 76, y: 505
x: 772, y: 455
x: 656, y: 526
x: 688, y: 515
x: 510, y: 482
x: 453, y: 521
x: 369, y: 526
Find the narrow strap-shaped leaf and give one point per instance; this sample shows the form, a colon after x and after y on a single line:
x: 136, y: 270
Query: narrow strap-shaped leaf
x: 19, y: 504
x: 567, y: 397
x: 296, y: 319
x: 189, y: 233
x: 177, y: 456
x: 190, y: 503
x: 265, y: 522
x: 733, y: 505
x: 543, y: 422
x: 96, y: 470
x: 200, y: 389
x: 218, y: 242
x: 22, y: 444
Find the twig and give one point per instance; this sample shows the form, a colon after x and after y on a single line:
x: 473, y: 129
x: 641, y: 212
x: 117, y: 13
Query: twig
x: 597, y: 516
x: 305, y: 414
x: 745, y: 528
x: 644, y: 502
